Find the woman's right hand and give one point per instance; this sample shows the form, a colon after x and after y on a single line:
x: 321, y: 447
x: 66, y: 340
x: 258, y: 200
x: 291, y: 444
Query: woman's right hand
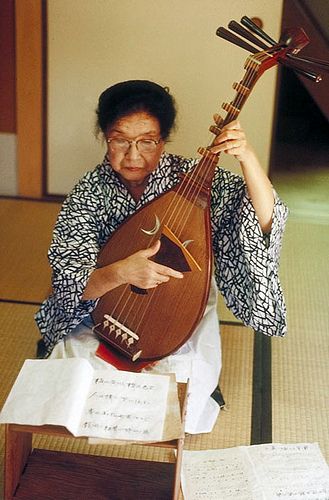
x: 137, y: 270
x: 140, y: 271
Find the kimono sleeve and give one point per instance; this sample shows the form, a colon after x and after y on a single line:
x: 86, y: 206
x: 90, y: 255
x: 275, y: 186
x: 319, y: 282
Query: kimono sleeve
x: 72, y: 256
x: 246, y: 260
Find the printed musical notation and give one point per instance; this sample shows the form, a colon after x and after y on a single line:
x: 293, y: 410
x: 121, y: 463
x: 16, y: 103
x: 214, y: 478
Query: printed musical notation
x: 261, y: 472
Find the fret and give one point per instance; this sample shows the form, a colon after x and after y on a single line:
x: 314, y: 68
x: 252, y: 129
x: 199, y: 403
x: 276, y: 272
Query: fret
x: 219, y: 121
x: 215, y: 130
x: 241, y: 89
x: 233, y: 110
x: 207, y: 155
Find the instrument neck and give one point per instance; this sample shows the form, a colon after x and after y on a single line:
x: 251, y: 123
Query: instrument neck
x: 204, y: 171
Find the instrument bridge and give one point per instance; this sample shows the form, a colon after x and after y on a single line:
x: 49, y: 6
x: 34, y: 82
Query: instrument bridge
x: 118, y: 334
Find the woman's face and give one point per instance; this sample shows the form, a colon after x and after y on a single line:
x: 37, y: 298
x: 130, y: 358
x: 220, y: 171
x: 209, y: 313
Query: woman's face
x: 132, y: 165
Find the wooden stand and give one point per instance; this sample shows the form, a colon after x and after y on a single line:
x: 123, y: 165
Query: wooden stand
x: 35, y: 473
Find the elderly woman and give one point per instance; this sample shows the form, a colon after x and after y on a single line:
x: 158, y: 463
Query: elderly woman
x: 247, y: 220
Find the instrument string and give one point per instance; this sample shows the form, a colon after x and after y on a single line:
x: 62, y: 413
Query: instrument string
x: 208, y: 163
x: 231, y: 115
x: 177, y: 211
x: 180, y: 207
x: 191, y: 189
x: 248, y: 81
x: 172, y: 213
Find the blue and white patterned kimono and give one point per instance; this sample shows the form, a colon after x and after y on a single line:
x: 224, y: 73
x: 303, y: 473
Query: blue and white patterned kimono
x: 245, y: 272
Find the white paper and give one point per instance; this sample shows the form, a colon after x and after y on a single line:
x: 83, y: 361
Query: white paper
x: 173, y: 427
x: 291, y: 471
x: 218, y: 474
x: 102, y: 403
x: 48, y: 392
x: 269, y: 472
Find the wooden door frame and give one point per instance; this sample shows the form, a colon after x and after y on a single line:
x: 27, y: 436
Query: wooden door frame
x: 30, y: 39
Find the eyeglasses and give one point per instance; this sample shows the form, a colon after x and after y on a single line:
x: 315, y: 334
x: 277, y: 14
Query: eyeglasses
x: 143, y: 145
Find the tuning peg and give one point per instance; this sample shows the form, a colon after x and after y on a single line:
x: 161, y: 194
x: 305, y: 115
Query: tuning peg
x: 318, y: 63
x: 230, y: 37
x: 310, y: 75
x: 295, y: 37
x: 240, y: 30
x: 248, y: 23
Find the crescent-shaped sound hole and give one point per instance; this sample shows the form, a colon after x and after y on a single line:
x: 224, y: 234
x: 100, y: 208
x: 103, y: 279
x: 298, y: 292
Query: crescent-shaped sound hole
x: 155, y: 229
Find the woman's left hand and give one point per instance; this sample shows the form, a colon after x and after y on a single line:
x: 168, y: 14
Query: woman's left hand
x: 232, y: 141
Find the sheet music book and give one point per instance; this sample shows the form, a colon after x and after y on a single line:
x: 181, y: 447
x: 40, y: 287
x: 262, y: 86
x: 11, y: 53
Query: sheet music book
x: 260, y: 472
x: 103, y: 403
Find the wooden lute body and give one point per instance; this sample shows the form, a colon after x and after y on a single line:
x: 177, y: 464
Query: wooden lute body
x: 163, y: 317
x: 151, y: 324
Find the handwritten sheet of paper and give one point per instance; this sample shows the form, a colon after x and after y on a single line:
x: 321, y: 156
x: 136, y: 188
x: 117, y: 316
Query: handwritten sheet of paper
x: 218, y: 474
x: 291, y: 471
x: 102, y: 403
x: 173, y: 427
x: 129, y: 406
x: 270, y: 471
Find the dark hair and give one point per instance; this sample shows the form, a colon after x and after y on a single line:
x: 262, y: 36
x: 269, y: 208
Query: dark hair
x: 125, y: 98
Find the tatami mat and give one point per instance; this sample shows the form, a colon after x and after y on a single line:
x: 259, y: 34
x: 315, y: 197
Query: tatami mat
x: 300, y: 362
x: 26, y: 228
x: 18, y: 341
x: 305, y: 189
x: 233, y: 428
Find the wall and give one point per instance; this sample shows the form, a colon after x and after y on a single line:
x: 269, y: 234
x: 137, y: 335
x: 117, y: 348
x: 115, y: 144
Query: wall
x: 8, y: 185
x: 92, y: 45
